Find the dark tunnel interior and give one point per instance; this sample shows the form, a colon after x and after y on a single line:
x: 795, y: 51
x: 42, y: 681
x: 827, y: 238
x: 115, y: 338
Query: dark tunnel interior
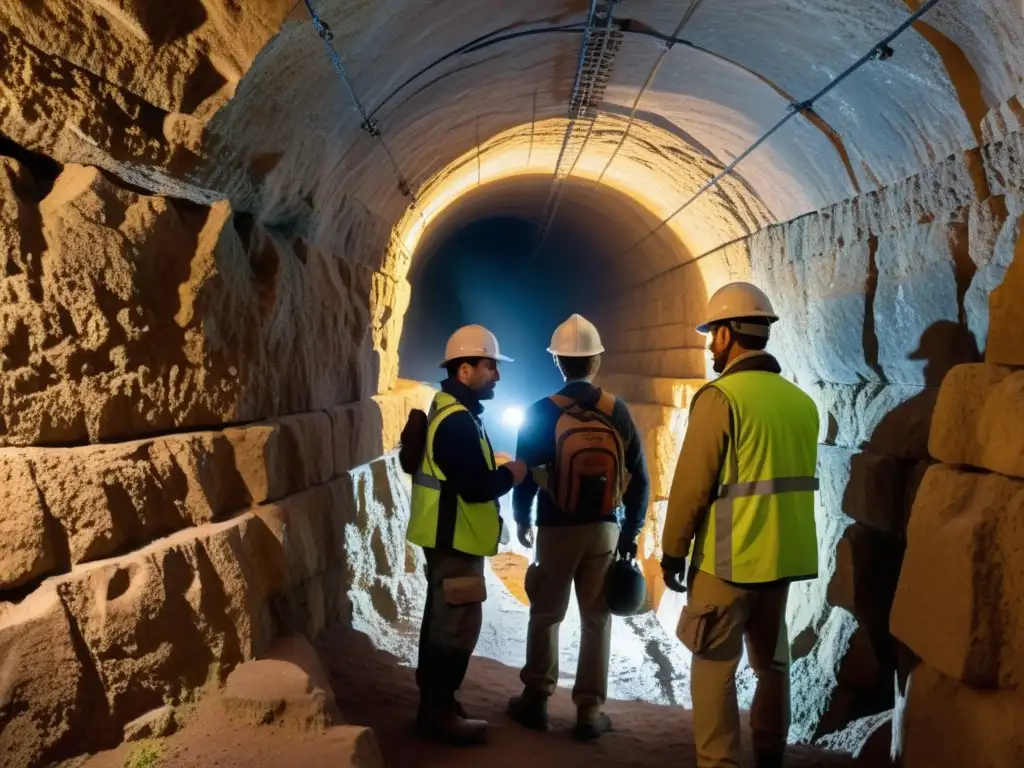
x: 490, y: 272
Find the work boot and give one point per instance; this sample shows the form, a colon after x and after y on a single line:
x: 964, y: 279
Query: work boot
x: 529, y: 710
x: 445, y: 726
x: 591, y: 722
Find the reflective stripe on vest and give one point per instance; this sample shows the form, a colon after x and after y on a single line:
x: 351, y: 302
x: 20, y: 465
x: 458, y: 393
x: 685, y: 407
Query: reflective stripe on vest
x: 761, y: 525
x: 438, y: 516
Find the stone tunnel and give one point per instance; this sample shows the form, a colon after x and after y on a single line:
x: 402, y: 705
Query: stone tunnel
x: 225, y: 262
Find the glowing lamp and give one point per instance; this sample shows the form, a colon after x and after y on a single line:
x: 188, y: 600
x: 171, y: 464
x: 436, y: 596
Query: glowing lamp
x: 513, y: 417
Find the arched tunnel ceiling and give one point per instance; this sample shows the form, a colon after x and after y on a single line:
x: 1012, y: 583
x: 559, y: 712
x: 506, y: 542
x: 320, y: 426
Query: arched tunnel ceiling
x: 704, y: 105
x: 203, y: 116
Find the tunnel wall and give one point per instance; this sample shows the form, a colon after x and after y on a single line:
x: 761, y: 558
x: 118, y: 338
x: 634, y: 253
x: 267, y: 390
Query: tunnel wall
x: 190, y: 450
x: 881, y: 297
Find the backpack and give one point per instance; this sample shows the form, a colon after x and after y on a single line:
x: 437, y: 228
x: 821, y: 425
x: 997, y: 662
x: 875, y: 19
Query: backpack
x: 414, y: 442
x: 588, y: 475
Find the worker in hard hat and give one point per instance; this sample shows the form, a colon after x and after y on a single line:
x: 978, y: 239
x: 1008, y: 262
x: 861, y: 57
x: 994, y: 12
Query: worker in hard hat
x: 591, y: 472
x: 741, y: 507
x: 455, y: 518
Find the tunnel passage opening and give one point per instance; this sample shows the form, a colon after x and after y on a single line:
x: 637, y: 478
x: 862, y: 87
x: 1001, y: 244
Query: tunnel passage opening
x: 499, y: 259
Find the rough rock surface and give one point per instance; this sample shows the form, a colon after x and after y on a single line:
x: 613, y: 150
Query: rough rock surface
x: 27, y: 549
x: 881, y: 224
x: 287, y: 688
x: 945, y: 722
x: 139, y: 314
x: 154, y: 724
x: 158, y: 624
x: 52, y: 695
x: 956, y: 604
x: 973, y: 424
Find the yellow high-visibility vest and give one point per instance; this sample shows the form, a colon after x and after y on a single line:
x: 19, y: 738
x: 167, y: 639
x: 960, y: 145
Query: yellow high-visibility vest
x: 439, y: 516
x: 760, y: 526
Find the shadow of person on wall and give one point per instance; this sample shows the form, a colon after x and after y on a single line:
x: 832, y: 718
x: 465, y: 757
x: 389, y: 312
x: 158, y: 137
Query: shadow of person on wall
x: 884, y: 478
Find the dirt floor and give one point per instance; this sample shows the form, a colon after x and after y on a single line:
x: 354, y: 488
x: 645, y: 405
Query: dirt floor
x: 374, y: 689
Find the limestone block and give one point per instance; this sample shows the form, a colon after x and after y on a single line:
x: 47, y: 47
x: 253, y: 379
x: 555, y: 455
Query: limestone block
x: 382, y: 573
x: 864, y: 485
x: 155, y: 724
x: 661, y: 430
x: 828, y: 290
x: 916, y: 310
x: 914, y: 478
x: 683, y: 363
x: 156, y: 315
x: 388, y: 304
x: 27, y: 549
x: 820, y: 704
x: 173, y: 60
x: 864, y: 582
x: 356, y: 434
x: 994, y: 227
x: 1003, y: 161
x: 108, y: 498
x: 808, y: 608
x: 169, y: 618
x: 945, y: 722
x: 52, y: 702
x: 302, y: 526
x: 284, y: 456
x: 394, y: 407
x: 868, y: 739
x: 891, y: 420
x: 288, y: 688
x: 672, y: 393
x: 84, y: 112
x: 1006, y: 315
x: 974, y: 420
x: 956, y: 603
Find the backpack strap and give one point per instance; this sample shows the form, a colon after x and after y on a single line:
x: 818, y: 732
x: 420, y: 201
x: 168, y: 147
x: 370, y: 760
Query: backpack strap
x: 562, y: 401
x: 605, y: 403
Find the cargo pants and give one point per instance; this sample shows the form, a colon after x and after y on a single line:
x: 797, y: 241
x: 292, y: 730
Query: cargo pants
x: 452, y: 619
x: 565, y: 556
x: 717, y: 619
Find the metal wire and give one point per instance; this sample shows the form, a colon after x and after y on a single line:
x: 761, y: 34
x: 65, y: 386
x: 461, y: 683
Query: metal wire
x: 878, y: 50
x: 647, y: 83
x: 369, y: 124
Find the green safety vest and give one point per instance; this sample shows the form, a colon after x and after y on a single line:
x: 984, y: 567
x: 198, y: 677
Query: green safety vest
x: 760, y: 527
x: 472, y: 528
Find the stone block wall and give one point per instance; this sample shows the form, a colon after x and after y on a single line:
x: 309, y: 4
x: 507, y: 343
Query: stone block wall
x: 134, y: 574
x: 190, y: 450
x: 881, y: 297
x: 958, y: 609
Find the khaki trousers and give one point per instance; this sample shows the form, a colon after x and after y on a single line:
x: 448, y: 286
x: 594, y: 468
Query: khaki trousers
x: 579, y: 555
x: 717, y: 619
x: 452, y: 620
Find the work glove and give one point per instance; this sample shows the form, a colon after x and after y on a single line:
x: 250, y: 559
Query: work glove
x: 525, y: 535
x: 673, y: 570
x: 626, y: 548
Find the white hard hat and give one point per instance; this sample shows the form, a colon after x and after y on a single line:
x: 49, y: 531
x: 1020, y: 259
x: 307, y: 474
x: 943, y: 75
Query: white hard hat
x: 576, y: 337
x: 735, y: 301
x: 472, y: 341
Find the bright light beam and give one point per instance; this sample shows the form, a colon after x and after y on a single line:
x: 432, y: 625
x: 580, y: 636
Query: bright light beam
x: 513, y: 417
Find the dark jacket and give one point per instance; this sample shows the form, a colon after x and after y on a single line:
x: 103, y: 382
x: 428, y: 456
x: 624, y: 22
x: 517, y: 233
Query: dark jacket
x: 536, y: 447
x: 458, y: 454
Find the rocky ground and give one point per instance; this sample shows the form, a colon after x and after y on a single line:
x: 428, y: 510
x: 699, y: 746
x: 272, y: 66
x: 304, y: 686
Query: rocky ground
x: 376, y: 689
